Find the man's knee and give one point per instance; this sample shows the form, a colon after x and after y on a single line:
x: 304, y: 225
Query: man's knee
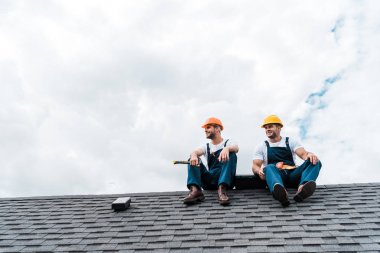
x: 317, y: 165
x: 232, y: 157
x: 270, y: 168
x: 231, y: 162
x: 307, y: 163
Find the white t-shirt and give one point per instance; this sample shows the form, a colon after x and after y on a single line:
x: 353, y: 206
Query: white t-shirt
x: 214, y: 148
x: 260, y: 152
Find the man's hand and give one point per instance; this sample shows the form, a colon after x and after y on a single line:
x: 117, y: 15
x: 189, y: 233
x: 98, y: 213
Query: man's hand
x: 257, y: 168
x: 224, y: 155
x: 312, y: 158
x: 194, y: 160
x: 261, y: 173
x: 305, y: 155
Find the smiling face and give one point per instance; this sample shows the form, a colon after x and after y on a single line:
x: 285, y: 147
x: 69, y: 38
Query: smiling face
x: 211, y: 131
x: 272, y: 131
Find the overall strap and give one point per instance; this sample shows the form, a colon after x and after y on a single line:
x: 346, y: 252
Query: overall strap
x: 287, y: 142
x: 226, y: 143
x: 208, y: 150
x: 288, y: 146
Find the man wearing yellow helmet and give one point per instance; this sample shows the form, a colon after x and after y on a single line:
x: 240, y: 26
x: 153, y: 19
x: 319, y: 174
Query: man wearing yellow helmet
x: 274, y: 161
x: 219, y: 170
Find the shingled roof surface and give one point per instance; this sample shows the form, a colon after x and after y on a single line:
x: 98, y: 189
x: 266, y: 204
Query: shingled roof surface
x: 337, y: 218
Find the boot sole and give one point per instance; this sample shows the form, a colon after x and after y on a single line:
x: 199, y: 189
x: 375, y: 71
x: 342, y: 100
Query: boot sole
x: 307, y: 190
x: 224, y: 203
x: 193, y: 201
x: 279, y: 193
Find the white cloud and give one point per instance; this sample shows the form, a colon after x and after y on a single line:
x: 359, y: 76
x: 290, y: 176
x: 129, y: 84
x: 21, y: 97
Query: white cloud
x: 99, y: 97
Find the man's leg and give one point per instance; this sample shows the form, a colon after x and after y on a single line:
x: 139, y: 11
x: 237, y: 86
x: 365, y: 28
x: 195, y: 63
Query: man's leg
x: 194, y: 183
x: 305, y: 176
x: 226, y: 178
x: 228, y: 172
x: 274, y: 178
x: 311, y: 172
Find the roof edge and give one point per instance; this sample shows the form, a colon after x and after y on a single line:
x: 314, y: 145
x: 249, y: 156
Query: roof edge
x: 73, y: 196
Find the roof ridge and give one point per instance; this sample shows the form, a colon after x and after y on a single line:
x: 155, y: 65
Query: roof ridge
x: 142, y: 194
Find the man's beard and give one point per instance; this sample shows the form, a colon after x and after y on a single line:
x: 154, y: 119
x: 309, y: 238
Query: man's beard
x: 210, y: 136
x: 272, y: 136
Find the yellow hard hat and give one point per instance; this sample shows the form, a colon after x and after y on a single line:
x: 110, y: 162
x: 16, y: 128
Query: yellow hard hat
x: 272, y: 119
x: 213, y: 121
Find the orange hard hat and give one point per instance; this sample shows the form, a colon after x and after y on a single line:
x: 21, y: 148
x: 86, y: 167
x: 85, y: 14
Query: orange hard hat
x: 272, y: 119
x: 213, y: 121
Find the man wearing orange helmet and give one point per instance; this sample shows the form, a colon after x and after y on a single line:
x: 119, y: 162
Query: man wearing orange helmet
x: 274, y: 161
x: 220, y: 169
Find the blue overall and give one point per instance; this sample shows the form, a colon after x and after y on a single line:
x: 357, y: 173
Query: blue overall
x: 217, y: 174
x: 288, y: 178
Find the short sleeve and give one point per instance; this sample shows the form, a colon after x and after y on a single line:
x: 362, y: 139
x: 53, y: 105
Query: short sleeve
x: 203, y: 148
x: 294, y: 144
x: 258, y: 153
x: 231, y: 143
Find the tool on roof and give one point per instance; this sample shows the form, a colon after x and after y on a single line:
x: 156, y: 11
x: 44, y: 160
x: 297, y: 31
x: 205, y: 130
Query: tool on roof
x: 282, y: 166
x: 184, y: 162
x: 121, y: 204
x: 181, y: 162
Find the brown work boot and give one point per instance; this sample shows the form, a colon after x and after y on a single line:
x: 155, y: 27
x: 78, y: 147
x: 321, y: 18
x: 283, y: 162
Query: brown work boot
x: 280, y: 194
x: 195, y: 195
x: 305, y: 191
x: 222, y: 195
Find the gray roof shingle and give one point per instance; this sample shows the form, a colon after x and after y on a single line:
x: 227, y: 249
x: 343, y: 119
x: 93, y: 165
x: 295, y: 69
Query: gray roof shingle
x: 337, y: 218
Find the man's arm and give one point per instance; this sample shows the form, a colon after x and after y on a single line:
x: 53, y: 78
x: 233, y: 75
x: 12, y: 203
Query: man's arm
x: 305, y: 155
x: 257, y: 168
x: 233, y: 148
x: 225, y: 154
x: 194, y: 156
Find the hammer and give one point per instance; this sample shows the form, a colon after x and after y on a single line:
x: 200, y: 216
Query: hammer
x: 185, y: 162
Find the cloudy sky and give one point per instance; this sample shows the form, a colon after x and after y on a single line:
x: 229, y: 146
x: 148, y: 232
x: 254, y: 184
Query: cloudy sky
x: 100, y: 96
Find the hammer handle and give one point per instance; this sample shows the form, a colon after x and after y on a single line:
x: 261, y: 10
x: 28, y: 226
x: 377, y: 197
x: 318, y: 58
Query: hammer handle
x: 181, y: 162
x: 185, y: 162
